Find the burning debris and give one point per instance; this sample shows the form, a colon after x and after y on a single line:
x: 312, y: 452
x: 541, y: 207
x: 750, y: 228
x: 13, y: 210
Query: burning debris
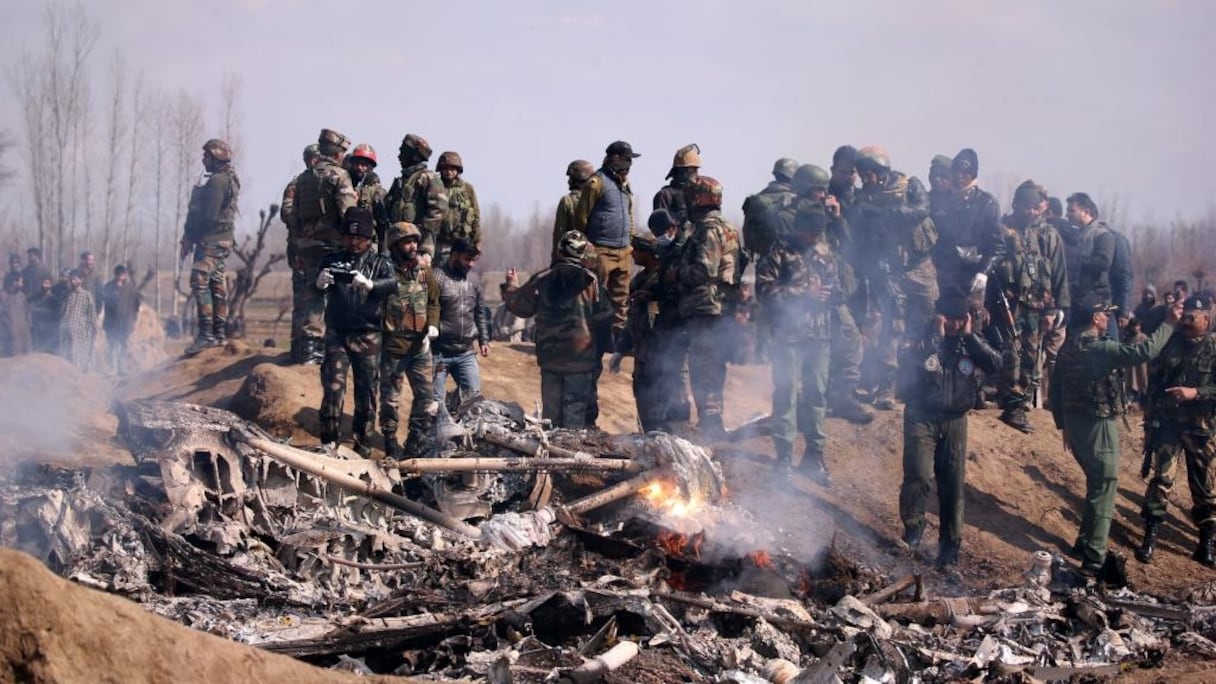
x: 527, y: 554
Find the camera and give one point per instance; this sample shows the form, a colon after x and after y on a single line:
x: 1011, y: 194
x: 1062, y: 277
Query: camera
x: 342, y: 275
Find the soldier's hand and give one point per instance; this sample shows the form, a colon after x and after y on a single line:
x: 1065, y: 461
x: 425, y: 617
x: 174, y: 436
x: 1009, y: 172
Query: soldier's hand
x: 485, y: 349
x: 1181, y: 394
x: 1123, y: 321
x: 1175, y: 314
x: 512, y: 277
x: 967, y: 324
x: 832, y: 205
x: 432, y: 332
x: 324, y: 279
x: 362, y: 283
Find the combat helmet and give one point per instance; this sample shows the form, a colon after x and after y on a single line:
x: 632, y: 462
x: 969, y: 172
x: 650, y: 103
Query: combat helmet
x: 332, y: 142
x: 580, y: 170
x: 417, y: 146
x: 687, y: 157
x: 704, y: 195
x: 451, y: 160
x: 784, y: 168
x: 573, y: 244
x: 808, y: 177
x: 873, y: 158
x: 218, y: 149
x: 311, y: 152
x: 364, y: 151
x: 402, y: 230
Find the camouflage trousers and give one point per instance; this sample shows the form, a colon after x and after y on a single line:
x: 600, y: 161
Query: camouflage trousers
x: 210, y: 288
x: 845, y: 355
x: 670, y: 365
x: 707, y: 356
x: 566, y: 397
x: 308, y: 303
x: 935, y: 451
x: 395, y: 370
x: 358, y: 352
x: 614, y: 268
x: 800, y: 386
x: 1021, y: 369
x: 1199, y: 451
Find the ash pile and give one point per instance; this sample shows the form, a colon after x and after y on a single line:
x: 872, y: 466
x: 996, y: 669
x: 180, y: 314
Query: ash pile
x: 524, y: 554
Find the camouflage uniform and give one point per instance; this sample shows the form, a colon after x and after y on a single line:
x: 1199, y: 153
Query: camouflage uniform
x: 563, y: 222
x: 708, y: 278
x: 1184, y: 431
x: 209, y: 228
x: 565, y: 299
x: 671, y: 337
x: 895, y: 239
x: 640, y: 339
x: 761, y: 226
x: 370, y: 195
x: 786, y: 277
x: 408, y: 313
x: 1086, y: 399
x: 418, y: 195
x: 463, y: 219
x: 322, y: 196
x: 1033, y: 277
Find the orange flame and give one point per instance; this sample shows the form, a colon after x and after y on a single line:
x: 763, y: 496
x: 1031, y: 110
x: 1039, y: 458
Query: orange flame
x: 761, y: 560
x: 681, y: 545
x: 666, y: 498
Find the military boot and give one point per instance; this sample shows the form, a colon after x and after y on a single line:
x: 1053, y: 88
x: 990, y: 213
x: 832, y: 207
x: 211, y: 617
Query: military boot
x: 1017, y: 418
x: 221, y: 332
x: 205, y: 337
x: 884, y: 398
x: 913, y: 534
x: 710, y: 426
x: 947, y: 556
x: 1144, y: 554
x: 314, y: 351
x: 785, y: 454
x: 853, y: 411
x: 1204, y: 552
x: 329, y: 432
x: 813, y: 466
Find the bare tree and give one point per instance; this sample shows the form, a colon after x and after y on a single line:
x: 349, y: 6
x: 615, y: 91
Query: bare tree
x: 116, y: 134
x: 250, y: 274
x: 6, y: 145
x: 187, y: 131
x: 230, y: 111
x: 138, y: 115
x: 161, y: 152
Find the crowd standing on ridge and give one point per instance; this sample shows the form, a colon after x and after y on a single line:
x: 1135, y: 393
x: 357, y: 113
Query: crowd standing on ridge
x: 860, y: 287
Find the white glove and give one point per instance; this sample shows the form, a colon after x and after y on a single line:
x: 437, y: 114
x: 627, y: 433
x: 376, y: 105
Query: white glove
x: 614, y: 365
x: 1057, y: 319
x: 979, y: 282
x: 362, y: 283
x: 424, y: 259
x: 324, y: 279
x: 432, y: 332
x: 426, y: 345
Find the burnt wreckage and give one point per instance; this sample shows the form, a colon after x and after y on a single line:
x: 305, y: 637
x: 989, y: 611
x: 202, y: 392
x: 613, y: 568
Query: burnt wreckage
x: 594, y: 558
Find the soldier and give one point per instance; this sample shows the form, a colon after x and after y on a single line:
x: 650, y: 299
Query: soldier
x: 801, y: 282
x: 761, y: 226
x: 843, y: 185
x: 1180, y: 425
x: 209, y: 232
x: 685, y: 170
x: 895, y: 237
x: 942, y: 198
x: 969, y: 236
x: 290, y: 218
x: 370, y: 192
x: 605, y: 215
x: 708, y: 278
x: 1030, y: 294
x: 323, y: 194
x: 1086, y: 398
x: 464, y: 330
x: 463, y: 218
x: 640, y: 338
x: 418, y: 196
x: 356, y: 282
x: 565, y: 299
x: 411, y: 321
x: 577, y: 174
x: 938, y: 372
x: 671, y: 336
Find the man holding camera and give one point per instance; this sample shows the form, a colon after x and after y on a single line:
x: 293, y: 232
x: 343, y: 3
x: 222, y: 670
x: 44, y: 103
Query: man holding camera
x: 356, y: 282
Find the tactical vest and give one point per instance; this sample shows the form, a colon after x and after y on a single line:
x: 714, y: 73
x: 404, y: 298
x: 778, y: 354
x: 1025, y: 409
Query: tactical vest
x: 1186, y: 364
x: 405, y: 309
x: 1096, y: 397
x: 312, y: 200
x: 221, y: 228
x: 1026, y: 270
x: 405, y: 203
x: 761, y: 227
x: 458, y: 223
x: 608, y: 225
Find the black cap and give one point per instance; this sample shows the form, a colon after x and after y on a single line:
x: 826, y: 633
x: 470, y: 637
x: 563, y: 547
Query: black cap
x: 1091, y: 304
x: 464, y: 246
x: 660, y: 221
x: 359, y: 221
x: 845, y: 154
x: 966, y: 160
x: 953, y: 304
x: 621, y: 148
x: 1197, y: 302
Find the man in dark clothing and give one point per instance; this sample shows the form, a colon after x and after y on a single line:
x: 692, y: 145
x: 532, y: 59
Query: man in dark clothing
x: 120, y: 301
x: 970, y: 238
x: 44, y: 317
x: 640, y: 339
x: 685, y: 169
x: 1122, y: 280
x: 356, y: 282
x: 14, y: 317
x: 1148, y: 300
x: 1090, y: 248
x: 605, y: 215
x: 843, y: 184
x: 940, y: 381
x: 464, y: 327
x: 35, y: 271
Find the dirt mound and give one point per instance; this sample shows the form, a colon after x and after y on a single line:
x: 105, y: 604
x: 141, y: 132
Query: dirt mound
x: 51, y: 412
x: 282, y: 399
x: 54, y: 631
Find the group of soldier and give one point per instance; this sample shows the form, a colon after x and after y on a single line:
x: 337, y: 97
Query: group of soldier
x: 868, y: 288
x: 40, y: 313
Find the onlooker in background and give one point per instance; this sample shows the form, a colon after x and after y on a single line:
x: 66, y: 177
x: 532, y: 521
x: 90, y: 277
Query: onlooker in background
x: 35, y: 271
x: 14, y: 316
x: 77, y: 323
x: 1148, y: 300
x: 464, y: 330
x: 44, y: 317
x: 90, y: 279
x: 120, y: 300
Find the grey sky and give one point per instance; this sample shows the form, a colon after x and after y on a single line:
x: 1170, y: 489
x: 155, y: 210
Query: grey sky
x: 1111, y: 97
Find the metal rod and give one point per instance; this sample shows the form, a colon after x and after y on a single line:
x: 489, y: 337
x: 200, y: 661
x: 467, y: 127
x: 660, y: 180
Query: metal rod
x: 303, y: 460
x: 616, y: 492
x: 528, y: 447
x: 515, y: 465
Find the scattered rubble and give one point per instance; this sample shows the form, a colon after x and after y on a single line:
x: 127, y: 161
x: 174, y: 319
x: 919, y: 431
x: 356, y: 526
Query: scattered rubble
x: 525, y: 554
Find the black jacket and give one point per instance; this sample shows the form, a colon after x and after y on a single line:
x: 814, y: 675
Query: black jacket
x: 463, y: 320
x: 348, y: 310
x: 940, y: 373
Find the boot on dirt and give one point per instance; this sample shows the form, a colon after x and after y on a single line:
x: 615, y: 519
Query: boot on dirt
x: 1144, y: 554
x: 947, y: 556
x: 913, y: 536
x: 813, y: 466
x: 329, y: 432
x: 1204, y: 552
x: 853, y: 411
x: 1017, y: 418
x: 204, y: 339
x: 884, y: 398
x: 710, y: 427
x: 785, y: 455
x: 220, y: 331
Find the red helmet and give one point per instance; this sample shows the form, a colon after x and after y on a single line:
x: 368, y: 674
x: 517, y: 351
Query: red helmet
x: 364, y: 151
